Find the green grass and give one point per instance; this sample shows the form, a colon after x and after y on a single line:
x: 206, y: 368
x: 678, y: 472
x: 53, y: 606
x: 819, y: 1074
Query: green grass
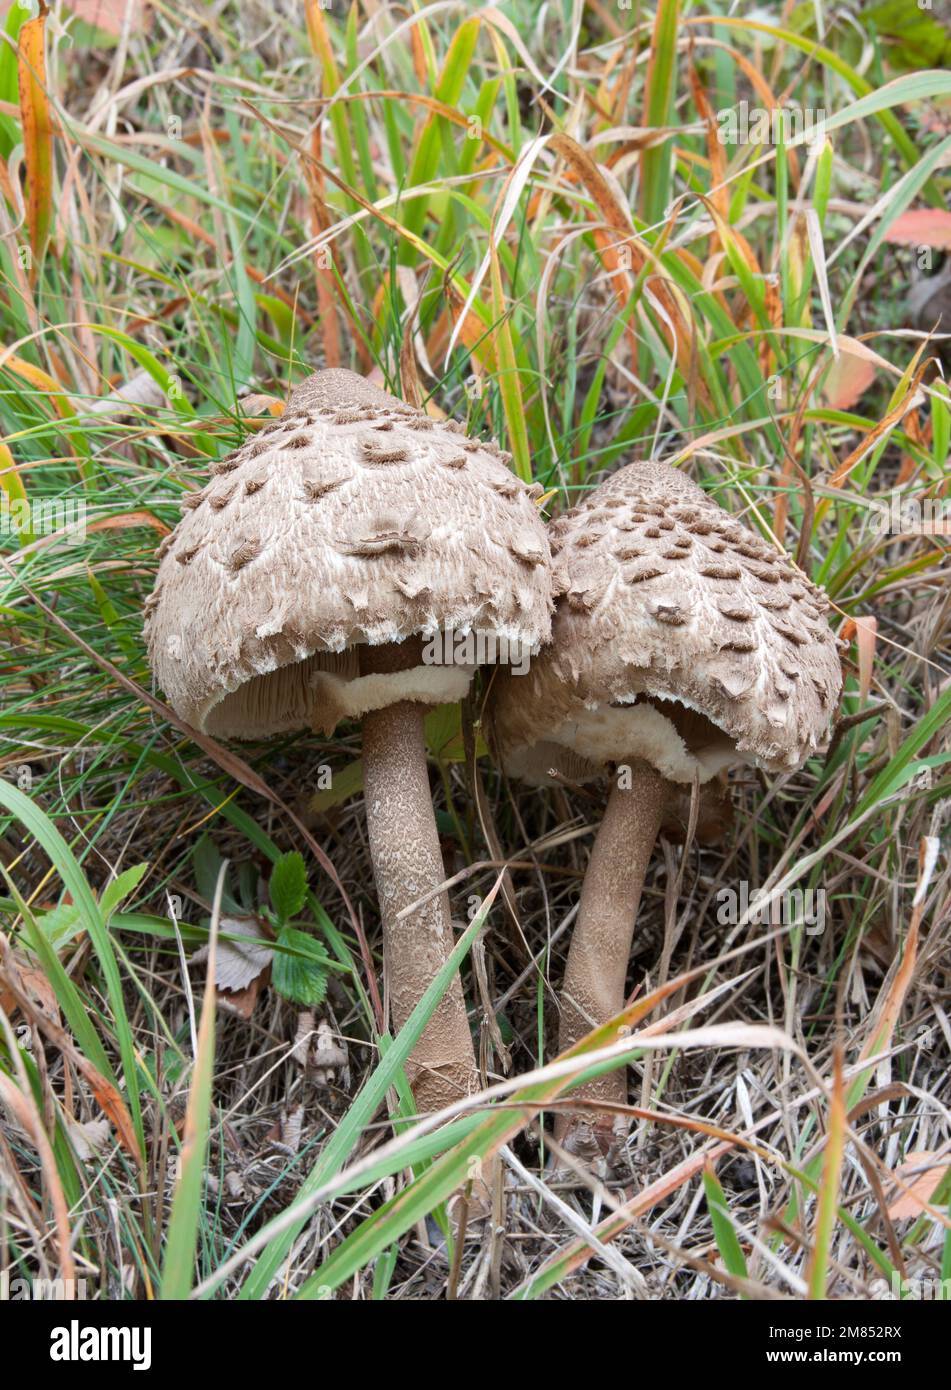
x: 587, y: 296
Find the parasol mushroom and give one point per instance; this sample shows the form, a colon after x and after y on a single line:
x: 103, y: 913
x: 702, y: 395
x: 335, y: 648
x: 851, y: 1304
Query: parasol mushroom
x: 300, y: 588
x: 682, y: 644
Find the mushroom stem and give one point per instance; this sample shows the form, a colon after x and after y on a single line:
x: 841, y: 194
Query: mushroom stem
x: 407, y: 864
x: 596, y: 972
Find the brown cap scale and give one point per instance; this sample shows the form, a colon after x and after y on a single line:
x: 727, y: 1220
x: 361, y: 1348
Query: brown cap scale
x: 670, y: 609
x: 355, y: 520
x: 682, y: 644
x: 301, y: 587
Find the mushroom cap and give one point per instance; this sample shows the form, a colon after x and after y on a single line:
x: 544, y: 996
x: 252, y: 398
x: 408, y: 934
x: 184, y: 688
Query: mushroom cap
x: 353, y: 520
x: 679, y: 637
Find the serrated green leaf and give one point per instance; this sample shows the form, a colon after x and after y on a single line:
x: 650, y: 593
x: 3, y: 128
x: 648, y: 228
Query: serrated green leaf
x: 288, y: 886
x: 300, y: 977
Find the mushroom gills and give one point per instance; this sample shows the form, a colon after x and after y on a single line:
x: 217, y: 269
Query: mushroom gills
x: 681, y: 743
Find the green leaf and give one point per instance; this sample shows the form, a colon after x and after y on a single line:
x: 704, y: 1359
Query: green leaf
x: 206, y: 861
x: 60, y: 924
x: 426, y: 157
x: 110, y: 616
x: 443, y: 728
x: 731, y: 1252
x: 659, y: 88
x: 940, y: 423
x: 343, y: 785
x: 119, y: 889
x: 922, y: 40
x: 300, y: 977
x: 823, y: 181
x: 288, y: 886
x: 892, y: 776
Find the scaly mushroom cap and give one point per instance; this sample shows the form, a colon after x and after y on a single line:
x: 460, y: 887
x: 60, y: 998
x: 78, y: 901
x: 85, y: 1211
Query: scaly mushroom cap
x: 354, y: 519
x: 679, y: 637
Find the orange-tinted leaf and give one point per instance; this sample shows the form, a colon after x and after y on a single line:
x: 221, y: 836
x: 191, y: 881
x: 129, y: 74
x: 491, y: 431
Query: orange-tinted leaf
x: 112, y: 1106
x: 257, y: 402
x: 922, y: 227
x: 320, y: 221
x: 37, y: 136
x: 126, y: 520
x: 22, y: 1106
x: 920, y: 1173
x: 240, y: 1002
x: 109, y: 15
x: 848, y: 380
x: 43, y: 1011
x: 43, y: 382
x: 716, y: 149
x: 866, y: 630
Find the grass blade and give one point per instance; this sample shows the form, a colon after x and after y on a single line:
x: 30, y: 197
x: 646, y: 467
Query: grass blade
x: 178, y: 1272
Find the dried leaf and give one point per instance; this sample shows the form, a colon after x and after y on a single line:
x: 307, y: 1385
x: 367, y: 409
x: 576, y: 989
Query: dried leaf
x: 141, y: 390
x: 234, y: 1185
x: 880, y: 430
x: 107, y: 1097
x: 920, y: 1173
x: 241, y: 1002
x: 126, y: 520
x: 89, y: 1137
x: 300, y: 1049
x: 36, y: 985
x: 331, y: 1058
x: 239, y: 963
x: 292, y: 1125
